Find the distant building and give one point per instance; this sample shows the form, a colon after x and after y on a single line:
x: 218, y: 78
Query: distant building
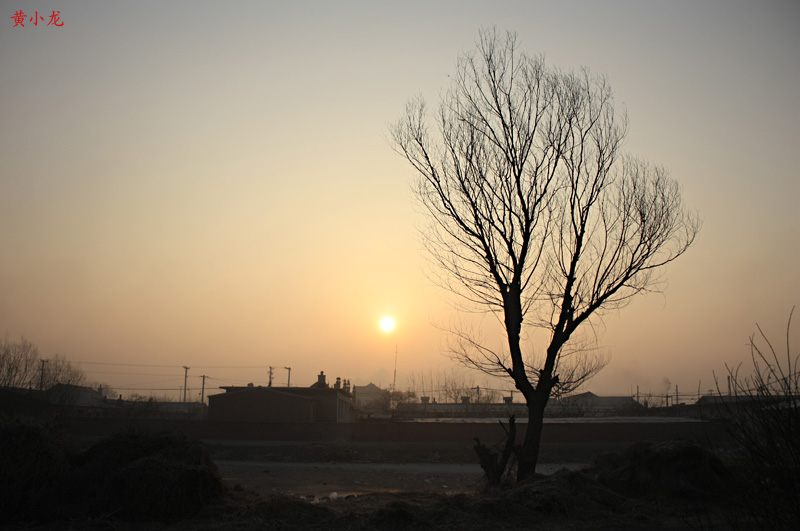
x: 463, y: 409
x: 14, y: 400
x: 727, y: 406
x: 75, y: 395
x: 717, y: 400
x: 590, y: 405
x: 371, y: 398
x: 582, y: 405
x: 62, y: 396
x: 82, y: 401
x: 317, y: 403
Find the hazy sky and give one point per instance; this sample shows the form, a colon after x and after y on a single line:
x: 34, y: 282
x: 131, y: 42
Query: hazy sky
x: 211, y: 184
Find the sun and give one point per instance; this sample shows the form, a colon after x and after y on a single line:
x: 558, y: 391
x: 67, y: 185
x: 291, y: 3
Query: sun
x: 387, y: 324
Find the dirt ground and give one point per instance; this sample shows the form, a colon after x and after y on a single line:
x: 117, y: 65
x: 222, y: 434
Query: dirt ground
x: 333, y: 480
x: 314, y: 470
x: 347, y: 486
x: 338, y: 480
x: 399, y: 486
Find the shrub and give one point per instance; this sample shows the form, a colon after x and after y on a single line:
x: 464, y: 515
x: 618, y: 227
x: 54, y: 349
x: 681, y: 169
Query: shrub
x: 763, y: 414
x: 131, y: 476
x: 145, y: 477
x: 34, y: 458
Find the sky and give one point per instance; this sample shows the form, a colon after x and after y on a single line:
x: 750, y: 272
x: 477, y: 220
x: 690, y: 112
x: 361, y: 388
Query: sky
x: 212, y: 185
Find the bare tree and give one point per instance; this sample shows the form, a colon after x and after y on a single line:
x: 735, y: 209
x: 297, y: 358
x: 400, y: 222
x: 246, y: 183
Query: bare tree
x: 449, y: 386
x: 61, y: 378
x: 536, y: 212
x: 19, y: 363
x: 21, y: 366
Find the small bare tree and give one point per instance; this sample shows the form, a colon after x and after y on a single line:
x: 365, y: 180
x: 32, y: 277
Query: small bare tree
x: 19, y: 363
x: 449, y: 386
x: 763, y: 412
x: 536, y: 212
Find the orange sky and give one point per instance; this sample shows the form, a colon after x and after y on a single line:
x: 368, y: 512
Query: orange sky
x: 192, y: 183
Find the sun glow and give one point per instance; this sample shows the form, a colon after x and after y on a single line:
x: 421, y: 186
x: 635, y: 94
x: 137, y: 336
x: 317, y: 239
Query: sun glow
x: 387, y: 324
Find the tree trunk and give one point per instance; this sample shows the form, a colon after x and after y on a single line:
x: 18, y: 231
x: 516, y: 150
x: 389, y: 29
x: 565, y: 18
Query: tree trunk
x: 528, y: 453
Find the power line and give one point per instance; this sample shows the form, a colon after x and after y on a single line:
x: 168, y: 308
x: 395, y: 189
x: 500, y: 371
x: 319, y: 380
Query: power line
x: 146, y: 389
x: 231, y: 367
x: 173, y: 366
x: 152, y: 383
x: 129, y: 373
x: 126, y: 364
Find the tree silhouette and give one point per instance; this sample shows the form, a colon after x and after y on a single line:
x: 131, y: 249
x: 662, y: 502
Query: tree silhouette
x: 536, y: 213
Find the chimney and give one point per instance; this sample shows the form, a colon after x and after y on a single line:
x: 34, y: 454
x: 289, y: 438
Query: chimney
x: 425, y: 399
x: 508, y: 399
x: 338, y: 384
x: 465, y: 400
x: 321, y: 379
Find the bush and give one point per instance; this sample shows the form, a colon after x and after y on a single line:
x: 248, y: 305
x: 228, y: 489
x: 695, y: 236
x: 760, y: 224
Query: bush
x: 145, y: 477
x: 763, y: 415
x: 34, y: 458
x: 131, y: 476
x: 676, y: 468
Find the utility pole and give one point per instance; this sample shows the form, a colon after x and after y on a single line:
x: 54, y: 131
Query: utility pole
x: 270, y: 376
x: 203, y: 390
x: 185, y: 378
x: 289, y: 377
x: 393, y: 395
x: 394, y: 379
x: 41, y: 377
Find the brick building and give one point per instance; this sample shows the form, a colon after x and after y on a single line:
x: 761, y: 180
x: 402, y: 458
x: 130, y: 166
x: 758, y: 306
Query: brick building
x: 317, y: 403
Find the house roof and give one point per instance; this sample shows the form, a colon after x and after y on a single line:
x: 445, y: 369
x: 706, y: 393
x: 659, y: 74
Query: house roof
x: 294, y: 391
x: 369, y: 387
x: 272, y: 390
x: 76, y: 395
